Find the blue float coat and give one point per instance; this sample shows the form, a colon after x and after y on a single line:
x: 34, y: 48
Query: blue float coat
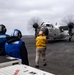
x: 3, y: 38
x: 13, y: 49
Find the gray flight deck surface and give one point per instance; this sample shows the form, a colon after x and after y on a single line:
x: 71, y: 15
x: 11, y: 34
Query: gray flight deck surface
x: 59, y: 55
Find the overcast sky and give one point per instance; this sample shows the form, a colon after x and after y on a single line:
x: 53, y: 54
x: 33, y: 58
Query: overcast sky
x: 17, y: 13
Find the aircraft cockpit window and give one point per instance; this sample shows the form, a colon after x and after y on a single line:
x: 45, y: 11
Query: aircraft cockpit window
x: 49, y: 25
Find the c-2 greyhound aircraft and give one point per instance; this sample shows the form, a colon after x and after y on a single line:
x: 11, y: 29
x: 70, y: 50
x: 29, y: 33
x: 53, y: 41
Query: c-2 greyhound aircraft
x: 54, y: 31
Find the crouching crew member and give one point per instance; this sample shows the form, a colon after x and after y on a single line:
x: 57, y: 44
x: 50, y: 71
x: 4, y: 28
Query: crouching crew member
x: 15, y: 47
x: 3, y: 37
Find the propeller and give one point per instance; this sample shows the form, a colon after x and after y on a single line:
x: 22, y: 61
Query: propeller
x: 69, y: 21
x: 33, y: 24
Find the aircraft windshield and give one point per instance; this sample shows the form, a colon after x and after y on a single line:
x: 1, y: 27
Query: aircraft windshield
x: 48, y: 25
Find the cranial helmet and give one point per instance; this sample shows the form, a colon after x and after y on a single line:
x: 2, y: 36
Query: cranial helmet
x: 2, y: 28
x: 17, y: 33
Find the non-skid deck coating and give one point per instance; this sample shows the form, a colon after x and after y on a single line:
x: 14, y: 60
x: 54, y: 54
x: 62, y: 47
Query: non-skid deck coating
x: 59, y: 55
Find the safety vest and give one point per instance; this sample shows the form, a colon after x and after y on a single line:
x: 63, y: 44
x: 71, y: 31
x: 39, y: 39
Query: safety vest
x: 41, y: 42
x: 13, y: 49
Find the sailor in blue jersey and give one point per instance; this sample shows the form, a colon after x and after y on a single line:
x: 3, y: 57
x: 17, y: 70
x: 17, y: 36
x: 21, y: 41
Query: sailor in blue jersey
x: 15, y: 47
x: 3, y: 37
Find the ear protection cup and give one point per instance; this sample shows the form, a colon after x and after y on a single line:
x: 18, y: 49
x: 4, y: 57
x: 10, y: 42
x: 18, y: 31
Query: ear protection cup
x: 17, y: 33
x: 3, y: 28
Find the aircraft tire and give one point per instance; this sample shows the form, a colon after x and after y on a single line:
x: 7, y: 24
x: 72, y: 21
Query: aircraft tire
x: 69, y: 39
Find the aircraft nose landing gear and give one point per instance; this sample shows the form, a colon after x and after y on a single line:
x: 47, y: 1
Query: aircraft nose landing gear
x: 70, y: 37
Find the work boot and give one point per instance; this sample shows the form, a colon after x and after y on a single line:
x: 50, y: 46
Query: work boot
x: 37, y: 66
x: 44, y: 64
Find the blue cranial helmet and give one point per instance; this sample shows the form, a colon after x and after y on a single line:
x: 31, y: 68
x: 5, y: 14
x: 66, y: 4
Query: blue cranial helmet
x: 17, y: 33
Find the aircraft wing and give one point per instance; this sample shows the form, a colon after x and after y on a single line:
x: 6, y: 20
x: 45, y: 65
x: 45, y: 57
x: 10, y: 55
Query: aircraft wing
x: 63, y: 28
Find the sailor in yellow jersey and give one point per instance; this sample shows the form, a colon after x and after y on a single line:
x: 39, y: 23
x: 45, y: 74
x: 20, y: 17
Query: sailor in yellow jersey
x: 40, y: 48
